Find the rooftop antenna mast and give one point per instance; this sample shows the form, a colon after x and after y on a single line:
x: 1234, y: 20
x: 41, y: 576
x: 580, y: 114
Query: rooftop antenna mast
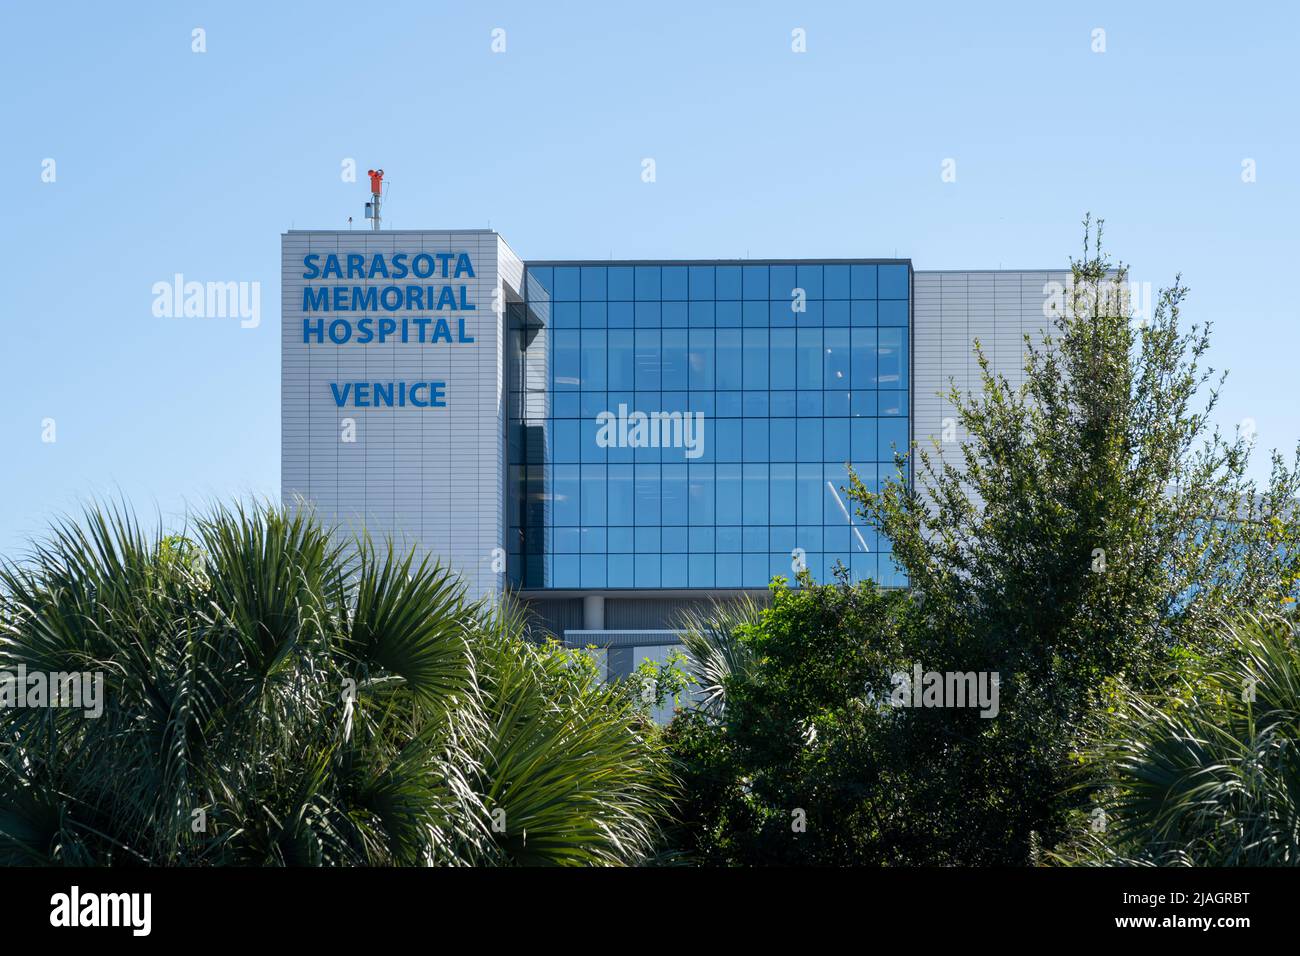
x: 376, y: 193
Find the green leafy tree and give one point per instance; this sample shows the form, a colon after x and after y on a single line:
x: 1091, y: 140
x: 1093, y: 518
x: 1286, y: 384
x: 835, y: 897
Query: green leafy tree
x: 792, y: 758
x: 1204, y: 771
x: 271, y: 697
x: 1096, y: 525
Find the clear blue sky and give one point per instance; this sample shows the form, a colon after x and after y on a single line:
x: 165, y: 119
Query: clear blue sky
x: 170, y: 161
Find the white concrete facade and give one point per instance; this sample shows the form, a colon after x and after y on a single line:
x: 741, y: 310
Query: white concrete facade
x: 431, y: 478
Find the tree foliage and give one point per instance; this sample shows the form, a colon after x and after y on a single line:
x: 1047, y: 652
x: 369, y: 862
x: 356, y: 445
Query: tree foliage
x: 272, y: 697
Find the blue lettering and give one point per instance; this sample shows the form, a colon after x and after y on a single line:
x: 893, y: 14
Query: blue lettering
x: 310, y: 260
x: 427, y: 261
x: 463, y: 267
x: 463, y: 337
x: 340, y: 400
x: 332, y: 270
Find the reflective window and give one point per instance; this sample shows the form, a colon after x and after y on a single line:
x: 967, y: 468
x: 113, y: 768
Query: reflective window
x: 698, y: 419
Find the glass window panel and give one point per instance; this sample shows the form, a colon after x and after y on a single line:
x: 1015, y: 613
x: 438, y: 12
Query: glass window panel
x: 836, y: 345
x: 809, y: 361
x: 622, y: 510
x: 781, y: 283
x: 701, y: 570
x: 647, y: 540
x: 862, y: 439
x: 568, y: 571
x: 892, y: 438
x: 622, y: 359
x: 727, y: 284
x: 568, y: 315
x: 726, y: 440
x: 782, y: 439
x: 593, y: 359
x: 701, y: 493
x: 593, y: 283
x: 754, y: 439
x: 674, y: 540
x: 754, y: 570
x: 728, y: 573
x: 674, y: 315
x: 674, y: 283
x: 699, y: 539
x: 728, y: 488
x: 808, y: 508
x: 809, y: 404
x: 620, y: 315
x: 729, y: 358
x: 593, y: 495
x: 593, y: 315
x: 701, y: 315
x: 647, y: 360
x: 673, y: 487
x: 568, y: 443
x: 728, y: 405
x: 780, y: 313
x: 836, y: 282
x: 756, y: 358
x: 540, y: 283
x: 893, y: 282
x: 591, y: 449
x: 892, y: 313
x: 648, y: 315
x: 568, y: 284
x: 568, y: 359
x: 835, y: 435
x: 647, y: 284
x: 783, y: 359
x: 754, y: 314
x: 755, y: 501
x: 622, y: 572
x: 674, y: 359
x: 755, y: 282
x: 862, y: 281
x: 700, y: 358
x: 726, y: 314
x: 567, y: 495
x: 781, y: 506
x: 701, y: 282
x: 647, y: 570
x: 620, y: 284
x: 648, y: 495
x: 891, y: 358
x: 809, y: 278
x: 809, y: 432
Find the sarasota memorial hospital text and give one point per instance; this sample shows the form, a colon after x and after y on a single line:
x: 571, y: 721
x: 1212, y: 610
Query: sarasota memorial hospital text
x: 442, y: 289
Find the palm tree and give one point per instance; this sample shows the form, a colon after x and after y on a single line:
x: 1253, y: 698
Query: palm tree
x: 273, y: 697
x: 1207, y: 773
